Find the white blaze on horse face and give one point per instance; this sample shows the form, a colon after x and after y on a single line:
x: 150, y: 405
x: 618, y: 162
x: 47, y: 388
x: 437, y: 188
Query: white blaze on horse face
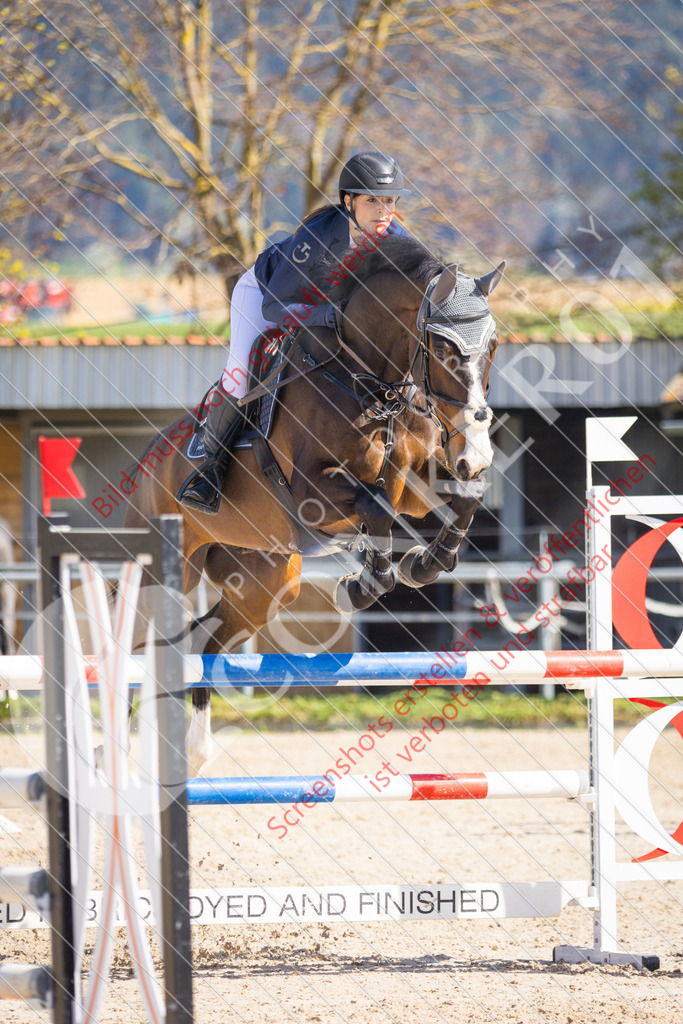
x: 477, y: 452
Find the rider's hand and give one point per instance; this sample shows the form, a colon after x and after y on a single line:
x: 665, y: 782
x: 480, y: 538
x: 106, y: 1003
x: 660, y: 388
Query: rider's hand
x: 331, y: 316
x: 394, y: 228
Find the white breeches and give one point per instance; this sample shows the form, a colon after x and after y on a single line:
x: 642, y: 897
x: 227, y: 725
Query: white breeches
x: 246, y: 323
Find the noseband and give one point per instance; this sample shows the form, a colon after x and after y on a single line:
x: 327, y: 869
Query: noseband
x: 382, y: 400
x: 444, y: 324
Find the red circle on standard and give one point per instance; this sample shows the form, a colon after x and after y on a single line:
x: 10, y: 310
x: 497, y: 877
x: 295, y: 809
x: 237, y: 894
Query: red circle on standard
x: 629, y: 583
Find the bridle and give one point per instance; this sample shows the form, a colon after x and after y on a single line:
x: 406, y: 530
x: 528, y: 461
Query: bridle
x: 383, y: 401
x: 380, y: 401
x: 420, y: 369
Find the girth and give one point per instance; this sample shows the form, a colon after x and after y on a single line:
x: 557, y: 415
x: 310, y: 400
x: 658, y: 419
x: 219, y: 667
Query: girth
x: 379, y: 401
x: 309, y: 540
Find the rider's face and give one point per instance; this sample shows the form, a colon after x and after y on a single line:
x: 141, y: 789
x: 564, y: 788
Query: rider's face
x: 373, y: 213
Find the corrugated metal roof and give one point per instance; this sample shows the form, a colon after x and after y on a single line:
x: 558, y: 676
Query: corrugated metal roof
x: 153, y: 373
x: 581, y: 374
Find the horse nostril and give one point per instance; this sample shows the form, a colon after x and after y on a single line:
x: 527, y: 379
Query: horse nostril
x: 462, y: 468
x: 481, y: 414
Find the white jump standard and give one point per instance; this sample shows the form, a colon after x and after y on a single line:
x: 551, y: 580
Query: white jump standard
x: 618, y: 779
x: 74, y: 794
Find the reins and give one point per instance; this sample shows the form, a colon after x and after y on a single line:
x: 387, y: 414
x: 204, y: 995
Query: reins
x: 390, y: 405
x: 272, y: 384
x: 383, y: 399
x: 379, y: 400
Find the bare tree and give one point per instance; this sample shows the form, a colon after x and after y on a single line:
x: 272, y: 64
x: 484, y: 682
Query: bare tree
x: 204, y: 127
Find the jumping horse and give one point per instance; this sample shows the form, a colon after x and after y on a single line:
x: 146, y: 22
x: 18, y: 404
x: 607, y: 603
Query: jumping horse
x: 401, y: 381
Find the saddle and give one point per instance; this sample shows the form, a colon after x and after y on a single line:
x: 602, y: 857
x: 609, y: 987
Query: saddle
x: 259, y: 414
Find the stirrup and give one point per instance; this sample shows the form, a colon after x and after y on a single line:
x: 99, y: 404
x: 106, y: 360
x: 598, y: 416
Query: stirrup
x: 202, y: 502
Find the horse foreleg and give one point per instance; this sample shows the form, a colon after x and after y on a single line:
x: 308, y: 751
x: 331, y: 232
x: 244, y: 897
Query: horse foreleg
x: 359, y: 590
x: 422, y: 565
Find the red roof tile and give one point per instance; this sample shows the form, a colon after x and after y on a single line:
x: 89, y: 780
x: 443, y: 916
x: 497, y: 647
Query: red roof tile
x: 198, y: 340
x: 55, y: 340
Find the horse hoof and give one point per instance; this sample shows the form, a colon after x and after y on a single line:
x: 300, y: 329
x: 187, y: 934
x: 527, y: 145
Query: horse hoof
x: 355, y: 593
x: 340, y: 595
x: 412, y: 572
x: 200, y: 749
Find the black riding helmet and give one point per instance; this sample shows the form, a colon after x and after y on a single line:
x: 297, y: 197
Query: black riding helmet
x: 371, y: 174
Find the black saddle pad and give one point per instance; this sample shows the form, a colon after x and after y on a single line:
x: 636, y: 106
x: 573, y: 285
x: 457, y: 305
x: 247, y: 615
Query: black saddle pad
x: 261, y: 412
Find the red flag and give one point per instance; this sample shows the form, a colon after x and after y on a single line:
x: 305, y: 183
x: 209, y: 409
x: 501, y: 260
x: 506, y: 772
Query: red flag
x: 59, y: 480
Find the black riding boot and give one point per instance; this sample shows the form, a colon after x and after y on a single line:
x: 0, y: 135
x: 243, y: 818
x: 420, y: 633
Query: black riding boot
x: 202, y: 489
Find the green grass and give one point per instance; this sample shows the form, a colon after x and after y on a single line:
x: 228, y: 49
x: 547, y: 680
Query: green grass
x: 136, y: 329
x: 335, y: 710
x: 353, y: 710
x: 650, y: 324
x: 654, y: 323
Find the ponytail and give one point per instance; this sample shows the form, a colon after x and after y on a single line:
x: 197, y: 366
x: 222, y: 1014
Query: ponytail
x: 326, y: 208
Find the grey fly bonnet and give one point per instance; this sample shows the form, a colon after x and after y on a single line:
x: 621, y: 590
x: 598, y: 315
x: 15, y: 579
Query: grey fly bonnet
x: 462, y: 315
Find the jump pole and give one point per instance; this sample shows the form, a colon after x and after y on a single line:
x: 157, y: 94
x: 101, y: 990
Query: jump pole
x: 315, y: 789
x: 604, y: 674
x: 20, y: 787
x: 25, y: 672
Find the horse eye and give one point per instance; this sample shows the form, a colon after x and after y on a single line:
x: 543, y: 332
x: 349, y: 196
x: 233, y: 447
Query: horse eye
x: 449, y: 358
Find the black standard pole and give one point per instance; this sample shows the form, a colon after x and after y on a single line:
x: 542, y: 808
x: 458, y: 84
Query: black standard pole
x: 51, y: 546
x: 175, y: 875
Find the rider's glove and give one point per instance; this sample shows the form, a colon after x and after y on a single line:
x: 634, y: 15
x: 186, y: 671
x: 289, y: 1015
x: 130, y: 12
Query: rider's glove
x: 394, y: 228
x: 331, y: 316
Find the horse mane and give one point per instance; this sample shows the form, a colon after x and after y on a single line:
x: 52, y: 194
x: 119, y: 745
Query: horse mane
x: 405, y: 255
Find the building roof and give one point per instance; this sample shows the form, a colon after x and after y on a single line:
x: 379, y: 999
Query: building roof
x: 158, y: 340
x: 91, y: 341
x: 154, y: 372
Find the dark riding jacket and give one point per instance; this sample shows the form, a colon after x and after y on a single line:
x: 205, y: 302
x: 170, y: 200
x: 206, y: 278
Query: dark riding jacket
x: 284, y: 270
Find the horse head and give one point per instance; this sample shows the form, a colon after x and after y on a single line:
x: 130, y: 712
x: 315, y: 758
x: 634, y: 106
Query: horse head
x: 452, y: 365
x: 450, y: 361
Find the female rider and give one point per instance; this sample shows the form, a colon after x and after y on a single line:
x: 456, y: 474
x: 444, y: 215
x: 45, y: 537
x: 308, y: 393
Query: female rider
x: 278, y: 290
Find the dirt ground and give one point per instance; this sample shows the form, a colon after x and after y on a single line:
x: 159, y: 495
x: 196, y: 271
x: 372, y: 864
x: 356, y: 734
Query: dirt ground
x: 118, y: 295
x: 446, y: 971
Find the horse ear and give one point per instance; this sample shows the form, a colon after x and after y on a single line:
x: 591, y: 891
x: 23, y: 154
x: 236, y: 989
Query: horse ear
x: 488, y: 282
x: 446, y: 285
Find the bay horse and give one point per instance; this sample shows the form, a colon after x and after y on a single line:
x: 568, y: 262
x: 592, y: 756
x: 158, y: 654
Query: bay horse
x: 401, y: 381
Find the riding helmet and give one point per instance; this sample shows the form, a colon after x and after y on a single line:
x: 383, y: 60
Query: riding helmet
x: 371, y: 174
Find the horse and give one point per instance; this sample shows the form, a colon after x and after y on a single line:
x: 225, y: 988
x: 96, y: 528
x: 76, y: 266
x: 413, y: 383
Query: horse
x: 362, y: 410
